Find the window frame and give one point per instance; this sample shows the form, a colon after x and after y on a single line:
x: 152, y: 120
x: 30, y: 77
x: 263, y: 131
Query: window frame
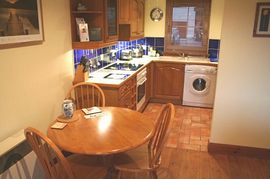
x: 170, y: 49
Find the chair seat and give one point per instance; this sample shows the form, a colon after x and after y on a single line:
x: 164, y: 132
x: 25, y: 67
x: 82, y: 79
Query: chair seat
x: 133, y: 160
x: 85, y: 166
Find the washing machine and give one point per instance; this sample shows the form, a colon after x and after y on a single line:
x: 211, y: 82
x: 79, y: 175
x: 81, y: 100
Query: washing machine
x: 199, y: 85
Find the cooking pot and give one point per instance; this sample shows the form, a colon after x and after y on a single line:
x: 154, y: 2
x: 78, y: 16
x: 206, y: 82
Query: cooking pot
x: 126, y: 55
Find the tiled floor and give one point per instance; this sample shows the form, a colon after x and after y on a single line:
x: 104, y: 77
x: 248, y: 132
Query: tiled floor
x: 190, y: 128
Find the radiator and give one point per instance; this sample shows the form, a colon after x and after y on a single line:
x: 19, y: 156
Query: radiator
x: 17, y: 160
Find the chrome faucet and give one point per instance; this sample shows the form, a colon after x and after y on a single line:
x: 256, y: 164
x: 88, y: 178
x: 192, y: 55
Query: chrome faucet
x: 180, y: 54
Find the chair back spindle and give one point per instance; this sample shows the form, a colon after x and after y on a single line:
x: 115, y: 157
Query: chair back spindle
x: 86, y: 95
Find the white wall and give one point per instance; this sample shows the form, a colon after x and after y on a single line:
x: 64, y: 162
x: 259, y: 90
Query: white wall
x: 157, y: 29
x: 35, y: 79
x: 241, y: 111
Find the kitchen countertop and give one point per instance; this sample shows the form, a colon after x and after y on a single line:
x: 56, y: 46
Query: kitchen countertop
x: 98, y: 76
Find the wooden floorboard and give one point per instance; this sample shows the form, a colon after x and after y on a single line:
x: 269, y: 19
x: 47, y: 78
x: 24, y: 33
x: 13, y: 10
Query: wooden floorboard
x: 189, y: 164
x: 179, y: 163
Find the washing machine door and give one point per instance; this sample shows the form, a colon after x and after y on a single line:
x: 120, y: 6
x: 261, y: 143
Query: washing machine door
x: 199, y: 85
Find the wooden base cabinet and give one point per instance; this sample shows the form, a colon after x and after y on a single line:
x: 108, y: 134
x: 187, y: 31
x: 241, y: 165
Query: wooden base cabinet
x: 149, y: 82
x: 124, y: 96
x: 168, y: 81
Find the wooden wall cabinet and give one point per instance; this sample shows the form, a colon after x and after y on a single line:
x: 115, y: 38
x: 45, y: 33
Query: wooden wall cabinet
x: 101, y: 17
x: 124, y: 96
x: 111, y: 20
x: 131, y: 19
x: 168, y: 81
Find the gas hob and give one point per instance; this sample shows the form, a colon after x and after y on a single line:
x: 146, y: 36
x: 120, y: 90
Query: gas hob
x: 124, y: 66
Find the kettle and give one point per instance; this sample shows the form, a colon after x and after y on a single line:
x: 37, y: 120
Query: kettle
x: 137, y: 52
x: 126, y: 55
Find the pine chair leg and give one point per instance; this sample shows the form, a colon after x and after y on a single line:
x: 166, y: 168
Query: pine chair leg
x: 153, y: 175
x: 119, y: 174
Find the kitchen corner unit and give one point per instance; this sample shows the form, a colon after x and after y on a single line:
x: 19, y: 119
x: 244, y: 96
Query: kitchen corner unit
x: 163, y: 80
x: 124, y: 84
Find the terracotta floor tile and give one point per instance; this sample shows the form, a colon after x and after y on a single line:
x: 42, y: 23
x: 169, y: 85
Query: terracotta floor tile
x: 196, y: 131
x: 196, y: 118
x: 190, y: 147
x: 196, y: 142
x: 205, y: 132
x: 172, y: 142
x: 199, y: 125
x: 184, y: 139
x: 204, y: 148
x: 190, y: 127
x: 205, y: 138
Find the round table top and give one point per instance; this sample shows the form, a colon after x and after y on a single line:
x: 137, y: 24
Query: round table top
x: 112, y: 131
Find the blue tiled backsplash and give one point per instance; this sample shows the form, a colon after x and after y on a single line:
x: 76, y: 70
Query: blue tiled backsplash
x: 156, y: 42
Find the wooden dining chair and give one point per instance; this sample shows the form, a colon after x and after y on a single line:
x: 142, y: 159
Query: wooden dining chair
x: 147, y: 158
x: 85, y: 95
x: 56, y: 166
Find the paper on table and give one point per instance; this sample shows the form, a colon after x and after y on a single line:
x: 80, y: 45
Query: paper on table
x: 89, y: 116
x: 58, y: 125
x: 91, y: 110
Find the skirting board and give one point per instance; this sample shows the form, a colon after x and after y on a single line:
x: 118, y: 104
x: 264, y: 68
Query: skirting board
x: 238, y: 150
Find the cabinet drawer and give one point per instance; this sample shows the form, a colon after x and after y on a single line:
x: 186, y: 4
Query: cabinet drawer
x: 127, y: 87
x: 128, y: 100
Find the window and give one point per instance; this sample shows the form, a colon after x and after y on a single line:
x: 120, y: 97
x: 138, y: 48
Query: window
x: 187, y: 26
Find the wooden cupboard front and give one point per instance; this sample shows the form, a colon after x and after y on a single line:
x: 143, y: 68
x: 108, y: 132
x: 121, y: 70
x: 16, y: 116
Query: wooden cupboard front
x: 168, y: 81
x: 101, y: 17
x: 131, y: 19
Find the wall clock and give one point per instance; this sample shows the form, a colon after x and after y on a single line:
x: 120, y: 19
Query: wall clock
x: 156, y: 14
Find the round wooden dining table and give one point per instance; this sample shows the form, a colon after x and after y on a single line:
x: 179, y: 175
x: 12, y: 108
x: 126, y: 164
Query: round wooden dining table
x: 112, y: 131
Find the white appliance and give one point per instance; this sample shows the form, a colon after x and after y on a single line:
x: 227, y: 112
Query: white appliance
x: 199, y: 85
x: 141, y: 88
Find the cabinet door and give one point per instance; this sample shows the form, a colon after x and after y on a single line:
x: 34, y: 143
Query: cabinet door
x: 140, y: 27
x: 127, y: 94
x: 134, y: 17
x: 124, y: 14
x: 168, y: 80
x: 149, y: 82
x: 111, y: 22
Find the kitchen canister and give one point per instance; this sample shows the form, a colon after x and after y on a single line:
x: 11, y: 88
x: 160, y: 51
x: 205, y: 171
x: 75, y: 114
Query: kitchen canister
x: 68, y: 108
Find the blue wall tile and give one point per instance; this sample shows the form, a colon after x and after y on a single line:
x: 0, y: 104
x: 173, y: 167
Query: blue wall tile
x: 160, y: 50
x: 159, y: 42
x: 213, y: 50
x: 150, y: 41
x: 156, y: 42
x: 213, y: 53
x: 141, y: 41
x: 214, y: 43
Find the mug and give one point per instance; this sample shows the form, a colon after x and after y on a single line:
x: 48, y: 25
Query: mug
x: 68, y: 108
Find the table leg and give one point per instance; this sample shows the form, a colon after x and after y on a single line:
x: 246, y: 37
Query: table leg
x: 108, y: 162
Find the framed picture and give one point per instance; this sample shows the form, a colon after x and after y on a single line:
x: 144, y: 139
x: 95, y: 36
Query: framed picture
x: 262, y: 20
x: 20, y: 23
